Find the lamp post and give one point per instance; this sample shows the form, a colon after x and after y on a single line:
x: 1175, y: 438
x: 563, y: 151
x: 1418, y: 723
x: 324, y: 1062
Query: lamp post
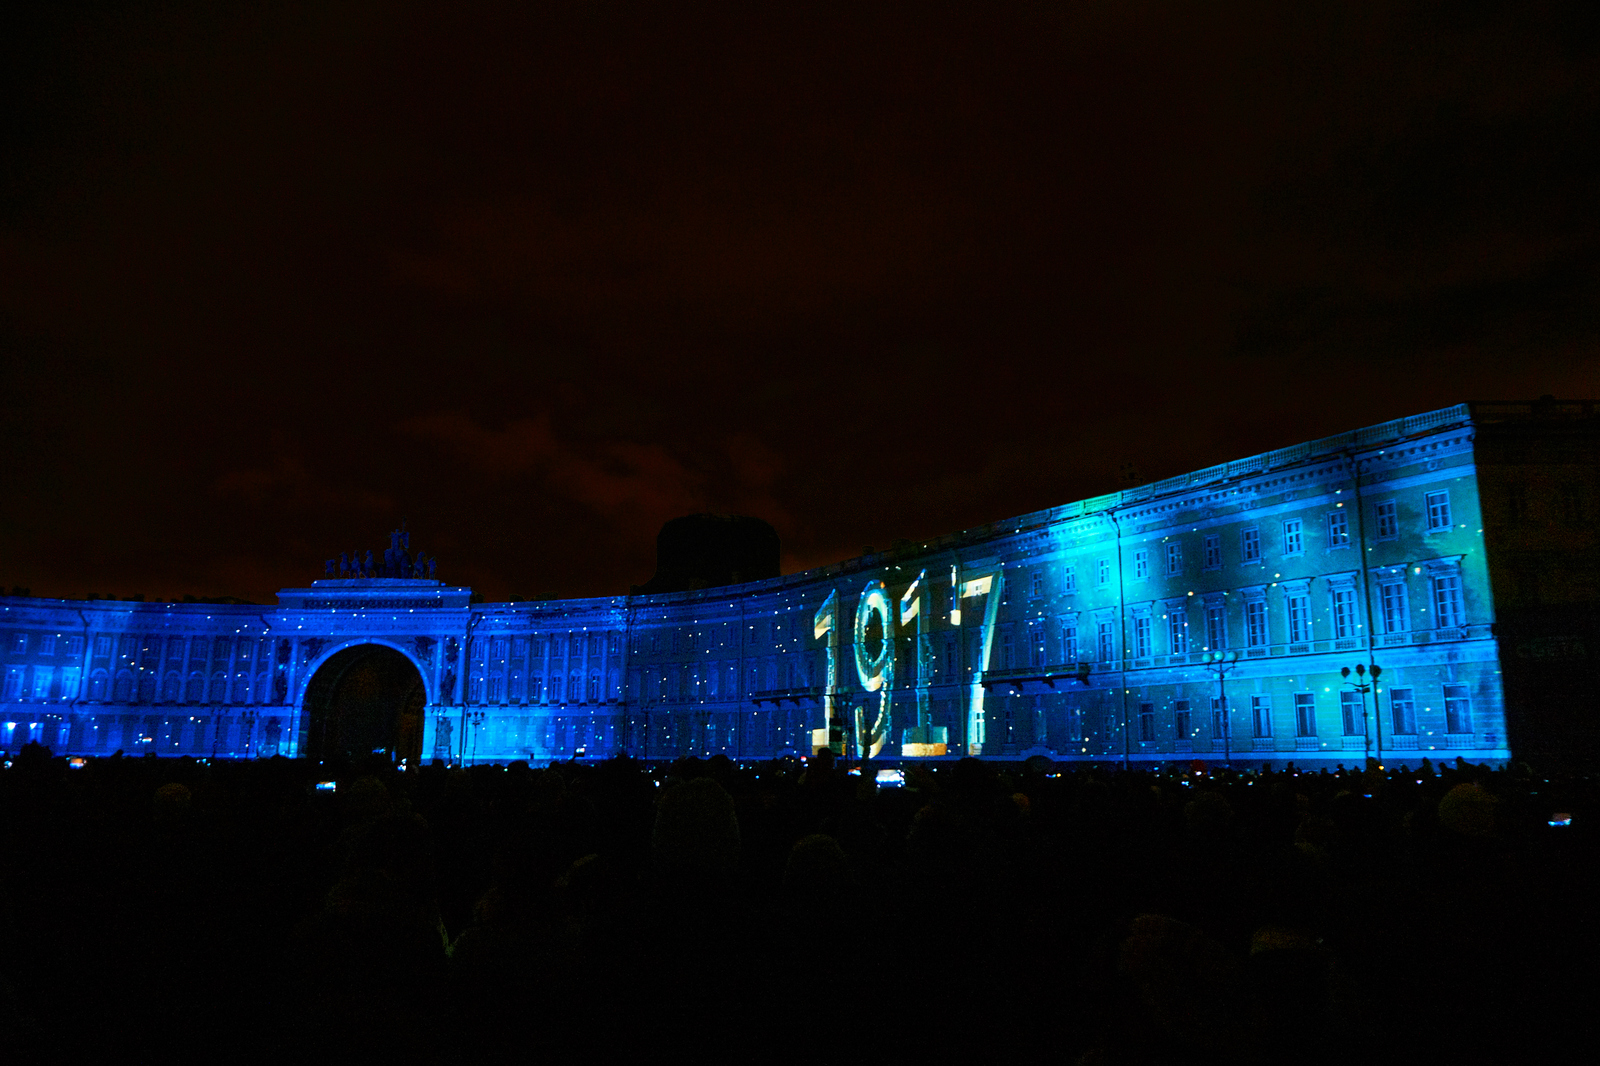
x: 1222, y: 662
x: 247, y: 721
x: 474, y: 719
x: 1362, y: 685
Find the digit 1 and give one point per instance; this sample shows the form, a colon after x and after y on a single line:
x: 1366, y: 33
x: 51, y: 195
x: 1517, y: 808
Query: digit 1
x: 876, y: 674
x: 922, y: 739
x: 988, y: 585
x: 826, y: 623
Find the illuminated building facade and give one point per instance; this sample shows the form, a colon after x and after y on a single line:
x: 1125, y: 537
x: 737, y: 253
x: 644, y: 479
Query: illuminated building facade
x: 1208, y: 616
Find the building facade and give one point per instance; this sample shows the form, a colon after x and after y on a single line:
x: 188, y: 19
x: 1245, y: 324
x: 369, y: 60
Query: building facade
x: 1314, y: 604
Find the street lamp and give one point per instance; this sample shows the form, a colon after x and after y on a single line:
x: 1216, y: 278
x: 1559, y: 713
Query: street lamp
x: 1361, y: 685
x: 475, y: 719
x: 1222, y: 662
x: 247, y: 719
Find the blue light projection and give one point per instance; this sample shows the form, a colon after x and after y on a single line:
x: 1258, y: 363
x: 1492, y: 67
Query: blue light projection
x: 1048, y: 644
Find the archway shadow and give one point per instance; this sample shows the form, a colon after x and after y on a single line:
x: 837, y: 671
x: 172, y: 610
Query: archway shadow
x: 365, y: 700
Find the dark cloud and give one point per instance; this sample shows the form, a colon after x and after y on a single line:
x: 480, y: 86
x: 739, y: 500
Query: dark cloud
x: 537, y: 277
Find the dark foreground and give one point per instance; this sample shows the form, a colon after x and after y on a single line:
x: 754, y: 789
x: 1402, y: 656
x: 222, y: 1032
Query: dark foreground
x: 176, y: 910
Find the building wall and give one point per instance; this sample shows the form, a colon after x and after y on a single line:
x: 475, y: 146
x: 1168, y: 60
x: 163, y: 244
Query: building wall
x: 1082, y: 632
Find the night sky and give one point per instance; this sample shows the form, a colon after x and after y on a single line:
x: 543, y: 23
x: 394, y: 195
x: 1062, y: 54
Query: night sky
x: 536, y: 278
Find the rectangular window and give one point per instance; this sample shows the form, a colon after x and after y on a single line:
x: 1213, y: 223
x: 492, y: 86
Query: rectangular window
x: 1180, y: 719
x: 1438, y: 511
x: 1008, y: 651
x: 74, y: 645
x: 41, y: 682
x: 1213, y: 548
x: 1102, y: 572
x: 1216, y: 627
x: 1393, y: 596
x: 1147, y: 722
x: 1388, y: 520
x: 13, y: 689
x: 1457, y: 709
x: 69, y: 682
x: 1255, y: 623
x: 952, y: 658
x: 19, y: 644
x: 102, y: 647
x: 1305, y: 714
x: 47, y: 644
x: 1036, y: 644
x: 1178, y: 632
x: 1069, y: 644
x: 1141, y: 637
x: 1141, y: 564
x: 1037, y: 583
x: 1447, y: 612
x: 498, y: 649
x: 1403, y: 711
x: 1338, y: 530
x: 1069, y: 579
x: 1350, y: 713
x: 1299, y: 619
x: 1108, y: 643
x: 1219, y: 725
x: 1293, y: 537
x: 1250, y: 545
x: 1344, y: 612
x: 1174, y: 558
x: 1261, y: 716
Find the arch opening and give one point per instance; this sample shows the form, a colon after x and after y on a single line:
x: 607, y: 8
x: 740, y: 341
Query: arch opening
x: 365, y: 700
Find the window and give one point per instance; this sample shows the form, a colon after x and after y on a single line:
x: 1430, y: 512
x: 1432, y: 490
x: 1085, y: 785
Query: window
x: 1008, y: 652
x: 1147, y: 722
x: 13, y: 689
x: 1299, y: 619
x: 1069, y: 643
x: 1141, y: 636
x: 1388, y: 520
x: 475, y: 690
x: 1250, y: 545
x: 47, y: 644
x: 1216, y: 627
x: 1293, y: 537
x: 1102, y: 572
x: 1141, y: 564
x: 1392, y: 595
x: 1457, y: 709
x: 1036, y: 583
x: 516, y: 686
x: 499, y: 646
x: 1108, y: 644
x: 1305, y: 714
x: 1219, y: 724
x: 1036, y: 644
x: 1402, y: 711
x: 1338, y: 530
x: 1175, y: 558
x: 1180, y: 718
x: 1178, y: 632
x: 1447, y: 612
x: 477, y: 649
x: 1261, y: 715
x: 1344, y: 612
x: 952, y: 655
x: 19, y: 644
x: 1069, y: 579
x: 497, y: 688
x: 1255, y: 623
x: 102, y: 647
x: 1350, y: 713
x: 1438, y: 504
x: 41, y: 682
x: 1213, y: 549
x: 594, y: 687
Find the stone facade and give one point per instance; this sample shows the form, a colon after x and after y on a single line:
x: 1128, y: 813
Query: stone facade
x: 1206, y: 617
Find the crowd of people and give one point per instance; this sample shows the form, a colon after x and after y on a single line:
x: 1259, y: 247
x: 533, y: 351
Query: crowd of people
x: 281, y: 908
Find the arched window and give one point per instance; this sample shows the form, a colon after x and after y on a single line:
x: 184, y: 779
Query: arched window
x: 97, y: 686
x: 497, y: 688
x: 124, y: 686
x: 195, y: 691
x: 475, y: 690
x: 574, y: 688
x: 172, y: 686
x: 219, y: 687
x: 594, y: 687
x: 241, y: 689
x: 516, y: 686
